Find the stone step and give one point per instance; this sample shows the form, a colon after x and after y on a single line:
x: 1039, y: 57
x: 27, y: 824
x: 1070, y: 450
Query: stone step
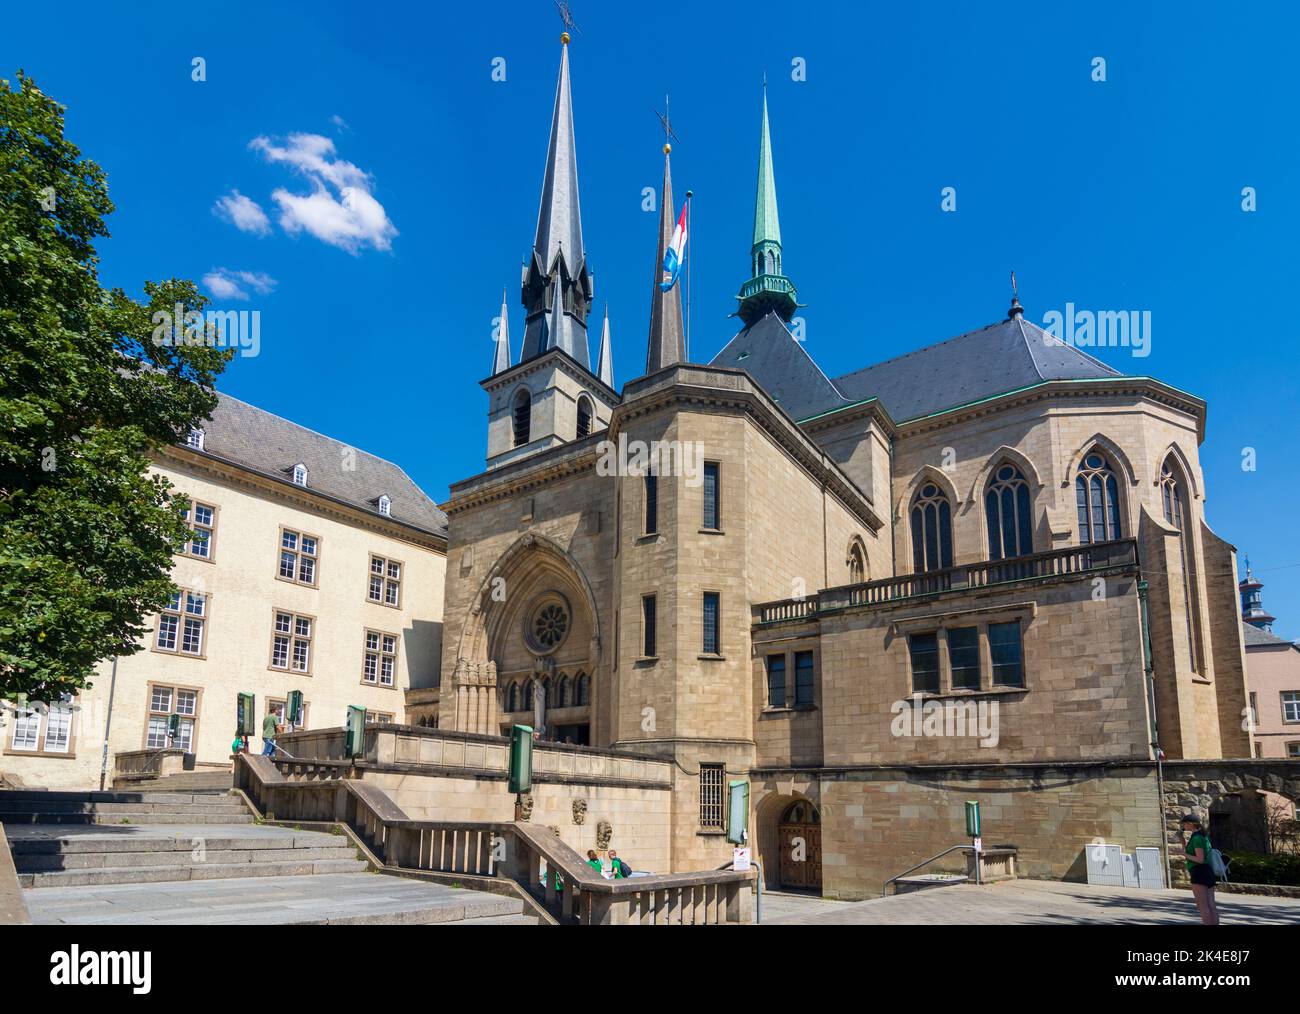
x: 215, y: 804
x: 18, y: 798
x: 37, y: 862
x: 196, y: 871
x: 179, y: 842
x: 178, y: 783
x: 172, y: 816
x: 503, y: 920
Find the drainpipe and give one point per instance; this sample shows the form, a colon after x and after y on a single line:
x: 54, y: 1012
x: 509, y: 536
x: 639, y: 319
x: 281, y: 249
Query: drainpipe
x: 1148, y: 679
x: 108, y: 724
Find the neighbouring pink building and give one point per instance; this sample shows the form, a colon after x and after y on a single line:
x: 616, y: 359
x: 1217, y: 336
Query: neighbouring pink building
x: 1273, y: 675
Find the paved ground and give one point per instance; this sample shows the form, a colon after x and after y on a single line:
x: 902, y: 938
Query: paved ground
x: 1034, y: 903
x: 335, y: 898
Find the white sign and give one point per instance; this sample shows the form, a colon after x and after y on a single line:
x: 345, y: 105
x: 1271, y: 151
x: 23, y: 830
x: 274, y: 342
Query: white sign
x: 740, y: 860
x: 979, y: 844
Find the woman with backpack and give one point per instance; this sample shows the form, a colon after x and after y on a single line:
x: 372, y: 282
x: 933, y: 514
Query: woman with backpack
x: 1201, y: 870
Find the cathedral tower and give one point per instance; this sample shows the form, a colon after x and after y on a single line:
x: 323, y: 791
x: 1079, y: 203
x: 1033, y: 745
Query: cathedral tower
x: 768, y: 289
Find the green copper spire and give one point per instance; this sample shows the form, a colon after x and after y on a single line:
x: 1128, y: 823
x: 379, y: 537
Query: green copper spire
x: 768, y: 289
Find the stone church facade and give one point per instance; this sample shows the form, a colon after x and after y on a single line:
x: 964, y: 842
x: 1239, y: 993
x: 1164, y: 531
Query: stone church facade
x: 979, y: 571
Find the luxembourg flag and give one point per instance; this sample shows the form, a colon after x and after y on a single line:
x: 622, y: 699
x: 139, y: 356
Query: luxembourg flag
x: 675, y: 255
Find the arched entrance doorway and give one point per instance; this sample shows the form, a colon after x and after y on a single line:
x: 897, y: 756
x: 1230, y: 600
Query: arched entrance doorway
x: 799, y: 841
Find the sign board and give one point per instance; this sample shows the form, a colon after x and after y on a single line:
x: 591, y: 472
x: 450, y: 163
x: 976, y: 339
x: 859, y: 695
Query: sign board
x: 293, y: 708
x: 245, y: 712
x: 355, y: 738
x: 972, y: 818
x: 740, y: 860
x: 979, y: 844
x: 521, y: 758
x: 737, y: 812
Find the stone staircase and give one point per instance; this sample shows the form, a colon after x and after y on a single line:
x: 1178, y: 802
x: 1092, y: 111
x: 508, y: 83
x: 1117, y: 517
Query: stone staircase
x: 134, y: 807
x: 185, y: 781
x: 198, y: 857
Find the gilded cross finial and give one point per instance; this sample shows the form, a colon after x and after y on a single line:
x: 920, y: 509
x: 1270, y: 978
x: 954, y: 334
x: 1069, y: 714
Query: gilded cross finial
x: 666, y: 122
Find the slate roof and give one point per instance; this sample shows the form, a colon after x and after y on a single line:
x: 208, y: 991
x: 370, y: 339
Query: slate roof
x: 245, y: 435
x: 1256, y: 638
x: 993, y: 360
x: 771, y: 355
x: 1001, y: 357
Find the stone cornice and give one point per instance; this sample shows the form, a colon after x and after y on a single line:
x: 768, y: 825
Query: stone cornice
x: 554, y: 358
x: 1146, y: 388
x: 242, y: 477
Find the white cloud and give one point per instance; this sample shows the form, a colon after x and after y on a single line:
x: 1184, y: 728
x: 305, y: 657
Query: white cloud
x: 243, y: 213
x: 226, y: 284
x: 340, y: 210
x: 340, y: 123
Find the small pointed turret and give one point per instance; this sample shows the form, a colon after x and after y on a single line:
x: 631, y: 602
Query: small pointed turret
x: 769, y: 289
x: 667, y: 343
x: 1252, y: 602
x: 556, y: 270
x: 501, y: 355
x: 605, y: 362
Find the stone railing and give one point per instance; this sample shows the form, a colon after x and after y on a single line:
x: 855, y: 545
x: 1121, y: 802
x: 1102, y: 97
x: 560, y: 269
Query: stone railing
x: 149, y: 763
x: 533, y: 858
x: 13, y: 911
x: 1055, y: 564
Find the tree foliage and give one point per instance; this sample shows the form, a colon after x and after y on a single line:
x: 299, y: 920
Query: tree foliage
x: 86, y: 395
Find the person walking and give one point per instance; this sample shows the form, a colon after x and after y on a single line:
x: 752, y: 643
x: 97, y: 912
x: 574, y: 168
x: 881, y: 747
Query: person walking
x: 621, y: 869
x: 270, y: 729
x: 1201, y: 870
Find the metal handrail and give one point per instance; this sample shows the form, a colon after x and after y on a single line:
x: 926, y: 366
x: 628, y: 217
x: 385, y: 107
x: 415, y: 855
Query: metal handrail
x: 956, y: 848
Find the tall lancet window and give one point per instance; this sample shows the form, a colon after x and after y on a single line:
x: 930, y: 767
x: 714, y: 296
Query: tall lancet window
x: 931, y: 529
x: 1174, y: 500
x: 584, y: 417
x: 1007, y: 510
x: 1096, y: 493
x: 523, y: 418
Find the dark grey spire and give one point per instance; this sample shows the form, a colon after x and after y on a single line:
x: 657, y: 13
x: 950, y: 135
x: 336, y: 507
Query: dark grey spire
x: 667, y: 345
x: 557, y: 266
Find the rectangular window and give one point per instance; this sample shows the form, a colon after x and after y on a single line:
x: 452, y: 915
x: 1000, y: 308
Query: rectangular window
x: 291, y: 641
x: 1254, y: 712
x: 27, y: 730
x: 1291, y: 705
x: 278, y: 709
x: 1006, y: 655
x: 964, y: 657
x: 1293, y: 750
x: 385, y: 581
x: 181, y: 624
x: 776, y: 681
x: 711, y: 642
x: 378, y: 717
x: 379, y: 666
x: 651, y: 504
x: 163, y: 703
x: 298, y: 555
x: 712, y: 516
x: 648, y: 626
x: 924, y: 649
x: 202, y: 519
x: 803, y: 678
x: 712, y: 796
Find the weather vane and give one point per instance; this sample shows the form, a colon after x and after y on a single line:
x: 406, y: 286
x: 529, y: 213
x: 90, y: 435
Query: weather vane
x: 670, y: 135
x: 1014, y: 293
x: 566, y: 16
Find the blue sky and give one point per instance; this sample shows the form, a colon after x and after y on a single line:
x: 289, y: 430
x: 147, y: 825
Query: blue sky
x: 376, y: 319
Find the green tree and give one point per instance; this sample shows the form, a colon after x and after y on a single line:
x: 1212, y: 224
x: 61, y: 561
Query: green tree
x: 86, y: 394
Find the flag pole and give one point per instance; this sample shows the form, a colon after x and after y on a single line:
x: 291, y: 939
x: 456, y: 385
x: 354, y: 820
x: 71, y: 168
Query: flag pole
x: 690, y: 239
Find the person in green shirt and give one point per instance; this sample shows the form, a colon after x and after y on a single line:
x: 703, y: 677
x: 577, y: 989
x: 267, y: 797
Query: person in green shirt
x: 1200, y: 870
x: 270, y: 727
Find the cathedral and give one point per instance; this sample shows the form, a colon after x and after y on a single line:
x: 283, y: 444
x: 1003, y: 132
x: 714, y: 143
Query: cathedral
x: 980, y: 570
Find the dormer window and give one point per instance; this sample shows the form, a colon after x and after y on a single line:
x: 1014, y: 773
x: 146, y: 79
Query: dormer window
x: 385, y: 506
x: 300, y: 474
x: 195, y: 438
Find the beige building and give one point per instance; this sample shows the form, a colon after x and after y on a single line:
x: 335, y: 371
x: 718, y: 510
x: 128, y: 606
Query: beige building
x: 314, y: 567
x: 1274, y: 665
x: 980, y: 570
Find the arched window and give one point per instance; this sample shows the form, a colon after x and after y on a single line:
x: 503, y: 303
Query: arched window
x: 528, y: 696
x: 562, y: 692
x: 584, y: 417
x: 1097, y: 495
x: 523, y: 418
x: 512, y: 696
x: 931, y: 529
x: 581, y: 690
x: 1007, y: 510
x: 1173, y: 499
x: 771, y: 263
x: 857, y: 563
